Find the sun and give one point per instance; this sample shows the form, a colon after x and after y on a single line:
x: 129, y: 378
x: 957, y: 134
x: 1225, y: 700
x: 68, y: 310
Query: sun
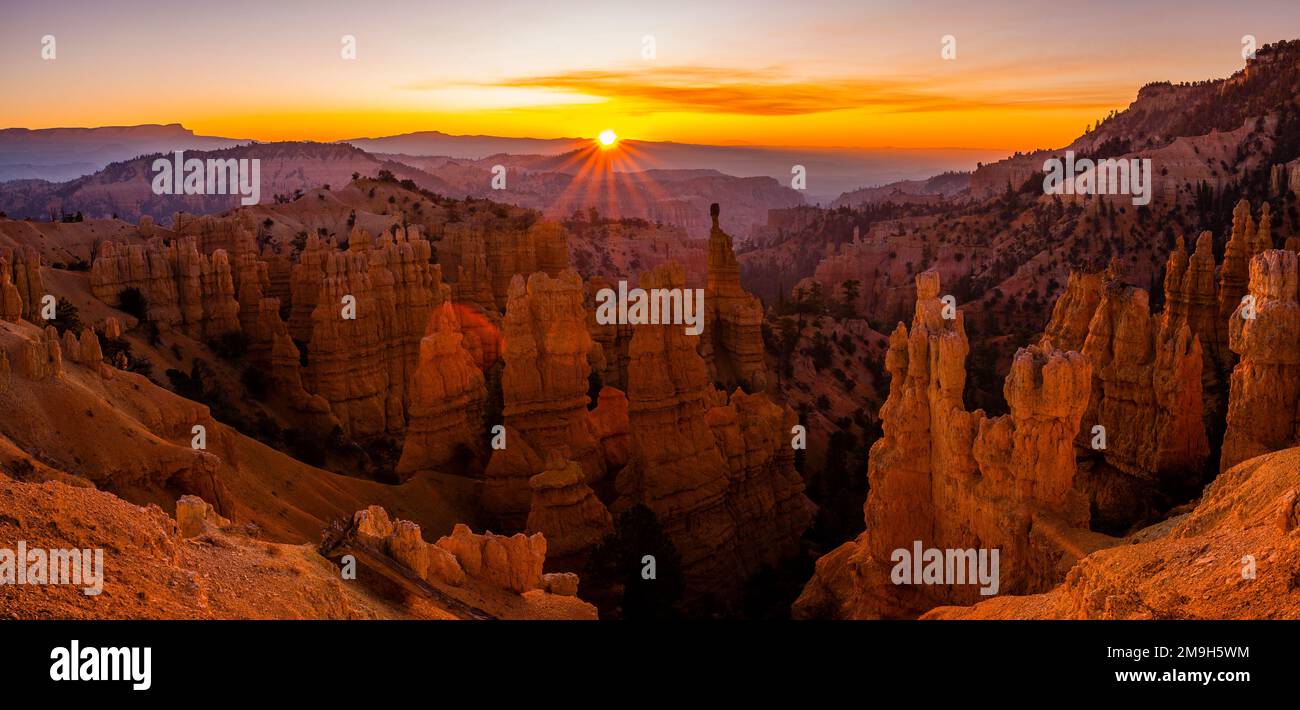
x: 607, y: 138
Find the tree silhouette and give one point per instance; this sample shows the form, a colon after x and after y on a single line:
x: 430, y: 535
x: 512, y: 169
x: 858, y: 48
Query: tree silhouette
x: 621, y: 558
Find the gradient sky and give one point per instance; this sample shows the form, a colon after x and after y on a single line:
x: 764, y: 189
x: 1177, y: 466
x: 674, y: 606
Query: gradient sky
x: 763, y: 72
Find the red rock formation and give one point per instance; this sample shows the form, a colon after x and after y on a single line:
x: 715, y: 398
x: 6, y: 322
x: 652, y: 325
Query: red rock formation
x: 362, y: 366
x: 544, y: 384
x: 11, y: 301
x: 513, y: 563
x: 91, y: 354
x: 722, y: 484
x: 565, y: 509
x: 733, y: 319
x: 251, y: 279
x: 542, y: 247
x: 304, y: 286
x: 1189, y: 567
x: 500, y: 576
x: 402, y: 541
x: 610, y: 341
x: 195, y: 516
x: 21, y: 268
x: 217, y: 293
x: 1073, y: 311
x: 552, y: 246
x: 480, y: 317
x: 506, y: 494
x: 1243, y: 244
x: 347, y: 356
x: 953, y: 479
x: 446, y: 395
x: 183, y: 288
x: 609, y: 424
x: 1264, y: 403
x: 271, y: 347
x: 1191, y: 298
x: 212, y: 233
x: 1146, y: 382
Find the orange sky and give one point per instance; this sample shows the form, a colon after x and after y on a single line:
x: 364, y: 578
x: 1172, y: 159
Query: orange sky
x: 817, y: 73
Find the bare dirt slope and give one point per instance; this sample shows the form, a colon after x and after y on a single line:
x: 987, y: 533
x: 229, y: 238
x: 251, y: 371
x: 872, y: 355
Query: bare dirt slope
x: 1190, y: 567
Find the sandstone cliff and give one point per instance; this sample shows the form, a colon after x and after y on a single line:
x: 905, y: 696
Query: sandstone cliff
x: 956, y: 479
x: 544, y: 384
x: 182, y: 288
x: 733, y: 342
x: 1264, y: 403
x: 722, y: 483
x: 21, y: 284
x: 1146, y: 397
x: 361, y: 359
x: 1245, y: 241
x: 446, y: 395
x: 610, y: 341
x: 1233, y: 557
x: 490, y: 257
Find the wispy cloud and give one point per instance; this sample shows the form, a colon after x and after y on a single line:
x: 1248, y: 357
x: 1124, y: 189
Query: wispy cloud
x: 773, y: 92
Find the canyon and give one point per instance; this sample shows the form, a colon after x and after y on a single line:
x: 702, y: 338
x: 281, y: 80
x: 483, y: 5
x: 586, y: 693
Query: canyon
x: 236, y: 399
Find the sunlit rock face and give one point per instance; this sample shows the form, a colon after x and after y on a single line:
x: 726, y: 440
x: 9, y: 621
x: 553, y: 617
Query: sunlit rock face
x: 956, y: 479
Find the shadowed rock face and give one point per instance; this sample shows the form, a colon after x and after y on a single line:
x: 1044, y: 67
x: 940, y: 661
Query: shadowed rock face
x: 362, y: 366
x: 1264, y: 403
x: 733, y: 341
x: 956, y: 479
x: 610, y: 341
x: 485, y: 260
x: 1246, y: 241
x: 718, y: 475
x: 1191, y: 295
x: 1146, y: 395
x: 565, y: 509
x: 544, y: 384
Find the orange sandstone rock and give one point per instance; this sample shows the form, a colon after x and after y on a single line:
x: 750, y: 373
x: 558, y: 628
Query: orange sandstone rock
x: 609, y: 424
x: 721, y: 483
x: 21, y: 268
x: 953, y: 479
x: 446, y: 394
x: 513, y: 563
x: 545, y: 381
x: 1264, y: 403
x: 565, y: 509
x: 733, y: 342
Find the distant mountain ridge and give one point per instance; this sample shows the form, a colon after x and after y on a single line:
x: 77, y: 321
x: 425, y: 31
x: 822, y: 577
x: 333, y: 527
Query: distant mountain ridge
x: 61, y: 154
x: 430, y: 143
x: 550, y: 184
